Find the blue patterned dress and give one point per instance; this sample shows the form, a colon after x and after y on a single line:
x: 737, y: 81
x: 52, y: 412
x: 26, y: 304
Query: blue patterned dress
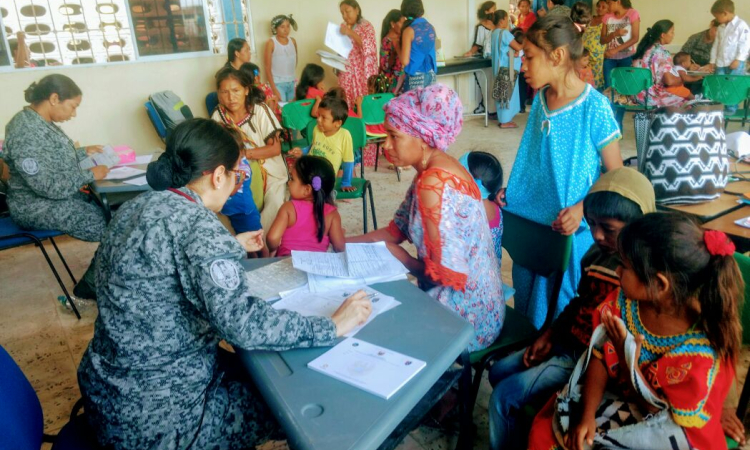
x: 501, y: 40
x: 557, y: 163
x: 460, y: 257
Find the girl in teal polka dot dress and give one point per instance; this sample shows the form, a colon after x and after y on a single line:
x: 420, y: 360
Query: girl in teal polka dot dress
x: 571, y: 132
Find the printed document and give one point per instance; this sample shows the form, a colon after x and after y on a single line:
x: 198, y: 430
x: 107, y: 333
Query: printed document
x: 357, y: 261
x: 369, y: 367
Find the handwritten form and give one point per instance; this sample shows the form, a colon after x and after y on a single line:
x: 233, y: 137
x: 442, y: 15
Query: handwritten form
x: 325, y: 304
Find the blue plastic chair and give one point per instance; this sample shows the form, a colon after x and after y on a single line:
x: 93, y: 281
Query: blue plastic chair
x: 156, y: 121
x: 212, y: 101
x: 11, y: 235
x: 22, y: 420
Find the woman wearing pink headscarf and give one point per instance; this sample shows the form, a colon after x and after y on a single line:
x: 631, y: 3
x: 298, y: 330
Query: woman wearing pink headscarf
x: 442, y: 214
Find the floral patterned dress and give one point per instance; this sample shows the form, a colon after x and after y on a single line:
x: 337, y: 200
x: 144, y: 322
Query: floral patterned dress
x: 659, y: 61
x: 390, y: 63
x: 453, y: 240
x: 363, y: 63
x: 592, y: 42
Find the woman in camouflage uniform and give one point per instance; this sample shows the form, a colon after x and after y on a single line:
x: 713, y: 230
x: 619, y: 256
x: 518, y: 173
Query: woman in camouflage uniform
x: 170, y: 287
x: 44, y: 191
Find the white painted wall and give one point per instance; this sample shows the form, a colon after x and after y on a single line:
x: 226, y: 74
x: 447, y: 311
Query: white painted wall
x: 112, y: 109
x: 113, y: 95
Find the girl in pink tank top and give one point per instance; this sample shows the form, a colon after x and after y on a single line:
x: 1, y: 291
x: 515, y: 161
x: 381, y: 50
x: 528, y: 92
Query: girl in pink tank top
x: 309, y: 221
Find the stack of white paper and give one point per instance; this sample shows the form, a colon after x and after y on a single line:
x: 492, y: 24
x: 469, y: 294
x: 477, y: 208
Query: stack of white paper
x: 369, y: 367
x: 340, y: 44
x: 139, y: 181
x: 335, y: 61
x: 358, y: 260
x: 143, y: 159
x: 325, y: 304
x: 337, y: 41
x: 322, y: 283
x: 123, y: 172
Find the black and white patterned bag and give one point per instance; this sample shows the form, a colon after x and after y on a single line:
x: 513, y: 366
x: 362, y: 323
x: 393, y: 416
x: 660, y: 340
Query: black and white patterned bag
x: 686, y: 155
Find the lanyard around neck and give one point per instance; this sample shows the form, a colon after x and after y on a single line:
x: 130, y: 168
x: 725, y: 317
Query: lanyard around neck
x: 182, y: 194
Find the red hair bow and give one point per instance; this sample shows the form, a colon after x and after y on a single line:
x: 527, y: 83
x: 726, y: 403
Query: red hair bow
x: 718, y: 243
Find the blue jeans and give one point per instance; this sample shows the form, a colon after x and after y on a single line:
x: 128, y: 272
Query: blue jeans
x: 419, y: 80
x: 286, y: 89
x: 516, y: 386
x: 740, y: 70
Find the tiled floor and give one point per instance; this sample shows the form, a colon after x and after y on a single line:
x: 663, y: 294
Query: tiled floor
x: 47, y: 341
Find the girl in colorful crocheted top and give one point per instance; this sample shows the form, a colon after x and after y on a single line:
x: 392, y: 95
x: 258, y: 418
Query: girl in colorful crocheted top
x: 442, y: 214
x: 309, y: 221
x: 679, y: 304
x: 488, y: 174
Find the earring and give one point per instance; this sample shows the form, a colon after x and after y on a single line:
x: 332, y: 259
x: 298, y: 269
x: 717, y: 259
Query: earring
x: 424, y: 159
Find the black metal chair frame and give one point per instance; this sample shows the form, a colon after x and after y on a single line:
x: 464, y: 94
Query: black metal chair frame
x: 38, y: 242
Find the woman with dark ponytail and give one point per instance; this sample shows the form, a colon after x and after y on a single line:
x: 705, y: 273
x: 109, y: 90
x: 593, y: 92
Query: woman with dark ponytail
x: 238, y: 53
x: 309, y: 221
x: 44, y: 190
x: 653, y: 55
x: 418, y: 54
x: 677, y: 315
x: 172, y: 288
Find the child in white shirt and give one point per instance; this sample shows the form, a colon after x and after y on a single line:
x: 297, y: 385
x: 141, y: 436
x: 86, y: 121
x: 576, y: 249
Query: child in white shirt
x: 732, y: 44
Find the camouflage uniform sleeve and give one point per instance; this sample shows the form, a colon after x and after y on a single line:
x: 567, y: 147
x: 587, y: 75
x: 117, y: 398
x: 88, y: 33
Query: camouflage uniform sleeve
x: 221, y: 287
x: 81, y: 153
x: 44, y: 171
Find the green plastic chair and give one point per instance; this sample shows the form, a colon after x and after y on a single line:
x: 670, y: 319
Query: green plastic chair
x: 729, y: 90
x: 356, y: 128
x: 295, y: 116
x: 544, y: 252
x: 372, y: 108
x: 631, y: 81
x: 373, y: 114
